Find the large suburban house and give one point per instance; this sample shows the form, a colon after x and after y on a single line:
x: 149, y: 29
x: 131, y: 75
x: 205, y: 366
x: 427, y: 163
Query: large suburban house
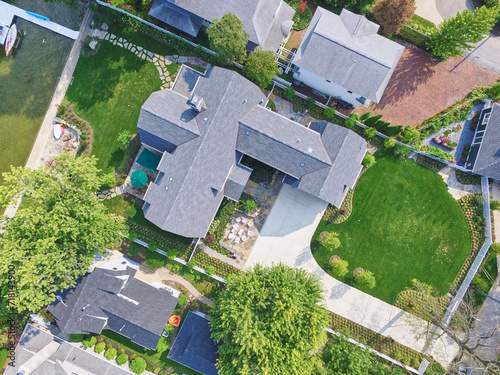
x: 40, y: 353
x: 268, y: 22
x: 112, y: 298
x: 194, y: 347
x: 344, y: 57
x: 484, y: 154
x: 204, y: 126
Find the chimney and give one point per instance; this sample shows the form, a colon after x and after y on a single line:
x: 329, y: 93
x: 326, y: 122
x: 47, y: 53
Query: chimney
x: 197, y: 103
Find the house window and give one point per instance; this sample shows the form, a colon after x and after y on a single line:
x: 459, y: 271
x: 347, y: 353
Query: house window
x: 328, y: 81
x: 350, y: 92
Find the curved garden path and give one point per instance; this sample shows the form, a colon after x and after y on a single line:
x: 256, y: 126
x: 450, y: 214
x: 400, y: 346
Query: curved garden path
x: 286, y: 238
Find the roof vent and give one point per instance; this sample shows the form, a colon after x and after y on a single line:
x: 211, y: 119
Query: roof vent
x: 197, y: 103
x: 247, y: 132
x: 84, y: 307
x: 302, y: 164
x: 166, y: 187
x: 309, y: 150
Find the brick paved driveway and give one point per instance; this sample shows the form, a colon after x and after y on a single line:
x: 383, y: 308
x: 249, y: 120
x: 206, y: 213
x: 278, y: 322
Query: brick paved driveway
x: 422, y: 87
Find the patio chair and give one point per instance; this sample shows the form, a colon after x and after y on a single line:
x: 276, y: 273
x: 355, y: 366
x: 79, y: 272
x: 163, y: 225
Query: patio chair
x: 244, y: 238
x: 231, y: 236
x: 237, y: 240
x: 244, y: 221
x: 238, y: 219
x: 240, y: 232
x: 250, y: 233
x: 236, y: 226
x: 250, y: 224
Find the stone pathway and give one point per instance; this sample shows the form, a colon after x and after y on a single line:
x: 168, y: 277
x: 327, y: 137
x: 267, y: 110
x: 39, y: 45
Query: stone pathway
x: 164, y: 274
x: 455, y: 188
x: 161, y: 62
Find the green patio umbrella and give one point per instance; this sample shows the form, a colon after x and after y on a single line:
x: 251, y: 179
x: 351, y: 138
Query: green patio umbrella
x: 139, y: 178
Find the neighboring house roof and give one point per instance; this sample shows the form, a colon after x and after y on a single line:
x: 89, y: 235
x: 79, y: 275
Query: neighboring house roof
x: 194, y: 347
x: 40, y: 353
x: 266, y: 21
x: 109, y: 299
x: 347, y: 50
x: 194, y: 177
x: 487, y: 161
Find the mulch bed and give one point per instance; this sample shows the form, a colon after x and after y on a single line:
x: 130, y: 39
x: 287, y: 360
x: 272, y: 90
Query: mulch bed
x: 71, y: 117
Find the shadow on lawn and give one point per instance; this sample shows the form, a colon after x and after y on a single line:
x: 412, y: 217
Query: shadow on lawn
x: 98, y: 78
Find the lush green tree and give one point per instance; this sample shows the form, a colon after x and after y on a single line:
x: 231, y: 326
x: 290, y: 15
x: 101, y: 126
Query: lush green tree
x: 392, y: 15
x: 155, y: 260
x: 352, y: 120
x: 343, y: 358
x: 459, y: 33
x: 110, y: 353
x: 389, y: 142
x: 249, y: 205
x: 270, y: 321
x: 288, y: 94
x: 365, y: 280
x: 340, y: 266
x: 100, y: 346
x: 369, y: 160
x: 329, y: 113
x: 228, y: 38
x: 261, y: 67
x: 332, y: 241
x: 54, y: 236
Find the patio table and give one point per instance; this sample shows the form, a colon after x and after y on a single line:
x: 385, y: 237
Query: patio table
x: 250, y: 224
x: 237, y: 240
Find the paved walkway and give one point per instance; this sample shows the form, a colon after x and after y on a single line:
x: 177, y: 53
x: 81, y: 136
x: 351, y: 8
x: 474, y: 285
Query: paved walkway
x: 421, y: 87
x: 455, y: 188
x: 286, y: 238
x: 65, y: 80
x: 164, y: 274
x: 8, y: 11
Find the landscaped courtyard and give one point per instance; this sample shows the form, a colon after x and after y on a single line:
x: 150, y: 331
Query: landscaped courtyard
x: 404, y: 226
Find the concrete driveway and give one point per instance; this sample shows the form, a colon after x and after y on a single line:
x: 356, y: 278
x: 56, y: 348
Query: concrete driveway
x: 286, y: 238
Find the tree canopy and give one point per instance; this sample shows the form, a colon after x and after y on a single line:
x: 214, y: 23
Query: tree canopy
x: 261, y: 67
x: 269, y: 321
x: 392, y: 15
x: 459, y: 33
x: 54, y: 236
x: 228, y: 38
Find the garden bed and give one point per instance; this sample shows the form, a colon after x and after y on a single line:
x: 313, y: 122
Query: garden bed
x: 430, y: 163
x: 467, y: 179
x: 66, y: 112
x: 218, y: 226
x: 202, y: 260
x: 339, y: 215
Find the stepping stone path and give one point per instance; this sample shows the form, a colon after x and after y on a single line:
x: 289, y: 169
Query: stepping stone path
x: 161, y: 62
x: 107, y: 194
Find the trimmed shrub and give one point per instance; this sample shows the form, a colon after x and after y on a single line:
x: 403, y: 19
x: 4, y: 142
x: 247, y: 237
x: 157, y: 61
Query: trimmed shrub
x: 195, y: 306
x: 89, y: 341
x: 249, y: 205
x: 494, y: 205
x: 288, y: 94
x: 122, y: 359
x: 340, y: 267
x: 138, y: 365
x: 210, y: 270
x: 410, y: 135
x: 169, y: 328
x: 370, y: 132
x: 149, y: 367
x: 124, y: 139
x: 163, y: 372
x: 109, y: 345
x: 495, y: 248
x: 155, y: 260
x: 75, y: 337
x: 156, y: 370
x: 133, y: 356
x: 110, y: 353
x: 133, y: 249
x: 99, y: 348
x: 182, y: 301
x: 478, y: 199
x: 366, y: 280
x: 389, y: 142
x: 172, y: 254
x: 369, y: 160
x: 329, y: 113
x: 332, y: 241
x: 402, y: 151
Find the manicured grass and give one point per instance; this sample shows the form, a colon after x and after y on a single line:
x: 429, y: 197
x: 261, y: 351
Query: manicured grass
x: 158, y: 356
x: 4, y: 353
x: 421, y: 24
x: 404, y: 225
x: 108, y: 90
x: 488, y: 273
x: 119, y: 205
x: 136, y: 37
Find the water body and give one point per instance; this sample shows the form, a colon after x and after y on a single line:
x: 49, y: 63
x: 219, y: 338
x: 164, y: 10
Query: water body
x: 28, y: 79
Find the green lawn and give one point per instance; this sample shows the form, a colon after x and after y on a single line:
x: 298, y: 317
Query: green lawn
x: 158, y: 356
x: 108, y: 90
x: 4, y: 353
x: 122, y: 206
x: 404, y: 225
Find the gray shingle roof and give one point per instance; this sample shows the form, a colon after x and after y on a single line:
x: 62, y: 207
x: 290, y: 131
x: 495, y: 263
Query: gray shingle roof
x: 262, y: 19
x: 236, y: 182
x: 347, y: 50
x: 186, y: 81
x: 194, y: 347
x: 118, y: 301
x: 45, y: 354
x: 281, y: 143
x: 346, y: 150
x: 196, y: 172
x: 195, y: 176
x: 488, y: 157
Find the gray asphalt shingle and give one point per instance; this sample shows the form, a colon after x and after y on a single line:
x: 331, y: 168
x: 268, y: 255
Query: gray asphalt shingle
x: 488, y: 158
